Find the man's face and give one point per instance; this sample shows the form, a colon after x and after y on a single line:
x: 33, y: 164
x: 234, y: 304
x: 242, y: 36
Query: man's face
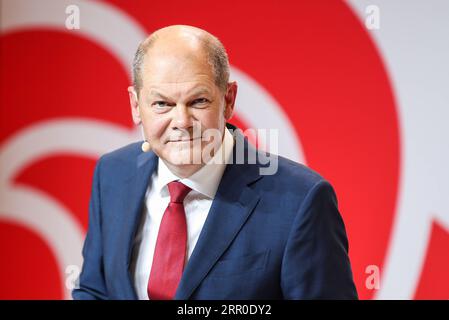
x: 178, y: 102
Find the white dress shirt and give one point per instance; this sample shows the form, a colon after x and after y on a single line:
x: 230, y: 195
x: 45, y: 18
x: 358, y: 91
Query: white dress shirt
x: 204, y: 184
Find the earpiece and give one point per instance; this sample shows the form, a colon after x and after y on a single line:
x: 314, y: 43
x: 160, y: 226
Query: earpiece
x: 146, y: 146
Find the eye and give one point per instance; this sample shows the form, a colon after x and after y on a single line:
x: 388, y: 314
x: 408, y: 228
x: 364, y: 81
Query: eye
x: 160, y: 104
x: 200, y: 101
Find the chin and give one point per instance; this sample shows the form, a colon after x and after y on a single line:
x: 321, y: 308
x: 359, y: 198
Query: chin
x: 180, y: 157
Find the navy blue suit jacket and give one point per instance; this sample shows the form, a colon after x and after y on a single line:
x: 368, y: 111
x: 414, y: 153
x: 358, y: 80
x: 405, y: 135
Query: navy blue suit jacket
x: 275, y: 236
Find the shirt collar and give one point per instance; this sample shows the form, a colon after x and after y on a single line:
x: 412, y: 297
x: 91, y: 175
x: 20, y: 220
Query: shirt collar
x: 207, y: 178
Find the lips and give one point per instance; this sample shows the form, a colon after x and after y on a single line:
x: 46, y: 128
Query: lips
x: 183, y: 140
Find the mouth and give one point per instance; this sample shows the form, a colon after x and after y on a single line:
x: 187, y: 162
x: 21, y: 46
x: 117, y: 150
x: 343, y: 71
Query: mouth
x: 184, y: 140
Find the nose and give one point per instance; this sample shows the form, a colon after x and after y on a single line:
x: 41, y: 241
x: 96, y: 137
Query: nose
x: 182, y: 117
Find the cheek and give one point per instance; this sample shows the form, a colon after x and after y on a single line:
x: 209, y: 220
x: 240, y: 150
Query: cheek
x: 212, y: 118
x: 155, y: 126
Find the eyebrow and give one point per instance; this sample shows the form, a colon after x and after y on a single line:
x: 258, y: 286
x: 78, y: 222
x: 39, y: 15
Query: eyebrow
x: 196, y: 92
x: 154, y: 93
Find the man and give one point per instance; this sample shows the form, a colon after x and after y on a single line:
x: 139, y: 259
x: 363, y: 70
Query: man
x: 162, y: 226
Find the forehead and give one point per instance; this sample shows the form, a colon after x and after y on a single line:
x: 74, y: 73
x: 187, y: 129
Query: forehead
x: 174, y: 63
x: 180, y: 89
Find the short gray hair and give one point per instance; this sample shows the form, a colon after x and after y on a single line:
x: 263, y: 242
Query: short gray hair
x: 216, y: 53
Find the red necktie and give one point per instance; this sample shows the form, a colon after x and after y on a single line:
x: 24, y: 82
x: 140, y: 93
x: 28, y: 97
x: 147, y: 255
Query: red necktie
x: 171, y: 246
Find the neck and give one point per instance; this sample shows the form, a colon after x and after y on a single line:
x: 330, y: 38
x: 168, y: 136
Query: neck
x: 184, y: 171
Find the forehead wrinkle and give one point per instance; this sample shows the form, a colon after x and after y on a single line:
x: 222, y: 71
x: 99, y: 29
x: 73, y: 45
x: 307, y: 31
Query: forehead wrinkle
x: 154, y: 93
x: 198, y: 90
x: 194, y: 90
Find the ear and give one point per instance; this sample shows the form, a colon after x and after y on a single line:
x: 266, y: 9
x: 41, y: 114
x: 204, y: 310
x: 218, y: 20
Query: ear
x: 134, y: 102
x: 230, y: 96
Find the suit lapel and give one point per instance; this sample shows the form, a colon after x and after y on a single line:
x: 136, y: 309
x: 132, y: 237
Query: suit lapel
x: 130, y: 209
x: 233, y: 204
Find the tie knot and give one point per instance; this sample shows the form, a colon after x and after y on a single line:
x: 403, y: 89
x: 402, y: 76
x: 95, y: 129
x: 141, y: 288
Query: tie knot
x: 178, y: 191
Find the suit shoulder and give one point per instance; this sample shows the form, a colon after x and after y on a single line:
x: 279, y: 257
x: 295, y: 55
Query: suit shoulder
x: 118, y: 163
x: 296, y: 173
x: 288, y: 188
x: 130, y: 151
x: 292, y: 181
